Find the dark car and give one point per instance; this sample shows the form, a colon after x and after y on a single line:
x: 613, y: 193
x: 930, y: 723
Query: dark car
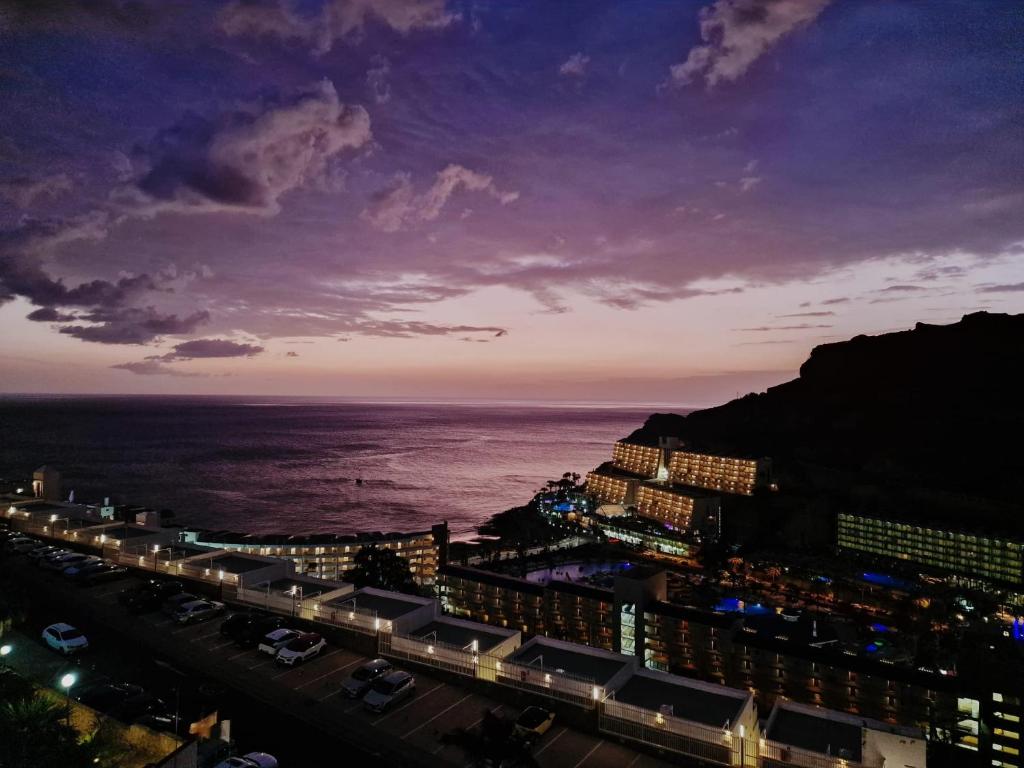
x: 152, y: 590
x: 171, y: 605
x: 153, y: 596
x: 359, y: 682
x: 104, y: 698
x: 234, y: 625
x: 251, y: 634
x: 101, y: 573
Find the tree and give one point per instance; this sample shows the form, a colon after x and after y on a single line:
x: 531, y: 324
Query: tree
x: 381, y: 568
x: 34, y: 733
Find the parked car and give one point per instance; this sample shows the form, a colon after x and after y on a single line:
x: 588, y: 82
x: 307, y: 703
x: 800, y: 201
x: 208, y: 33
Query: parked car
x: 43, y: 550
x: 234, y: 624
x: 389, y: 690
x: 22, y: 544
x: 198, y: 610
x: 251, y: 634
x: 65, y: 639
x: 171, y: 605
x: 101, y: 572
x: 70, y: 571
x: 274, y: 641
x: 359, y: 682
x: 533, y: 723
x: 251, y: 760
x: 150, y: 595
x: 104, y: 698
x: 66, y: 560
x: 302, y: 648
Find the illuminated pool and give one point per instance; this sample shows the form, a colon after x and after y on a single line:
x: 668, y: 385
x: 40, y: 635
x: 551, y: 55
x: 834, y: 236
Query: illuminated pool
x: 885, y: 580
x: 735, y: 605
x: 577, y: 571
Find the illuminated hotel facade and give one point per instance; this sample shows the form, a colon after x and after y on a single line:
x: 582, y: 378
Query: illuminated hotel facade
x: 979, y: 720
x: 643, y: 460
x: 991, y: 559
x: 719, y: 473
x: 679, y: 508
x: 330, y: 556
x: 610, y: 487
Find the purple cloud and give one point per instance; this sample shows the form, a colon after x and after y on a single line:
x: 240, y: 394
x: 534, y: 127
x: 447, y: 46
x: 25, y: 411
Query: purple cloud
x: 209, y: 348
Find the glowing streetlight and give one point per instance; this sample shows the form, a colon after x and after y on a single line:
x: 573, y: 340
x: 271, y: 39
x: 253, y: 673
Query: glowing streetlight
x: 5, y: 651
x: 66, y: 682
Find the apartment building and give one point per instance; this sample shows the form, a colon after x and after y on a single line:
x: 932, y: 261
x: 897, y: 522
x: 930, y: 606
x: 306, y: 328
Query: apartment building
x: 563, y: 610
x: 610, y: 486
x: 331, y: 556
x: 681, y: 509
x: 728, y: 474
x: 971, y: 555
x: 642, y: 460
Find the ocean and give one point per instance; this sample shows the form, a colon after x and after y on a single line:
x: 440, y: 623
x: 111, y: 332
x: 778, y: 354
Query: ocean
x: 265, y: 465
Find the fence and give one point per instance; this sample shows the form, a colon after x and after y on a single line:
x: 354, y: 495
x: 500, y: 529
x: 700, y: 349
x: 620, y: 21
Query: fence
x: 548, y: 682
x: 684, y: 737
x: 776, y: 755
x: 452, y: 658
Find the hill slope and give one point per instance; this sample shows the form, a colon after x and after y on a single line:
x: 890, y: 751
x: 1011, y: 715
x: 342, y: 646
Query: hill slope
x: 929, y: 421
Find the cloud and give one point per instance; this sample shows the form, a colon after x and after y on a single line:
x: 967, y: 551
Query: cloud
x: 399, y: 207
x: 1005, y: 288
x: 291, y: 353
x: 248, y: 159
x: 575, y: 66
x: 153, y: 368
x: 337, y: 20
x: 738, y: 32
x: 377, y: 79
x: 747, y: 183
x: 20, y: 276
x: 133, y: 325
x: 407, y: 329
x: 114, y: 16
x: 49, y: 315
x: 209, y: 348
x: 838, y: 300
x: 901, y: 289
x: 801, y: 327
x: 809, y: 314
x: 23, y: 192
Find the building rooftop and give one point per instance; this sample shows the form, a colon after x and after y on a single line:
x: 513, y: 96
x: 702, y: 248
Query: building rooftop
x: 817, y: 734
x: 706, y: 703
x: 462, y: 633
x: 305, y: 587
x: 386, y: 605
x: 123, y: 533
x: 494, y: 579
x: 237, y: 564
x: 579, y: 661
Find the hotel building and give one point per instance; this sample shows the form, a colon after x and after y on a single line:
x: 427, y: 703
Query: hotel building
x: 978, y: 720
x: 719, y: 473
x: 611, y: 487
x: 679, y: 508
x: 972, y: 556
x: 642, y: 460
x: 331, y: 556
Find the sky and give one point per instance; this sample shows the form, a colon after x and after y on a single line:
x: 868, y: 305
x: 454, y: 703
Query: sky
x: 643, y: 201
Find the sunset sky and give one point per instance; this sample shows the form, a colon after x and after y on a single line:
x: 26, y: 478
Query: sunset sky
x: 639, y: 201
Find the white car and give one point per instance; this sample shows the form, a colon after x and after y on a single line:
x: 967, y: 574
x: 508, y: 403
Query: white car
x: 302, y: 648
x: 65, y: 639
x: 251, y: 760
x: 274, y: 641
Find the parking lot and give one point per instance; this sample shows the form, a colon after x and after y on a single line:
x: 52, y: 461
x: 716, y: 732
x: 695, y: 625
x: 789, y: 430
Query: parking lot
x: 312, y: 691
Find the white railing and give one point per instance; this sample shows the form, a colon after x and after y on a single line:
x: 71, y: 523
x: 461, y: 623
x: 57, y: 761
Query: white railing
x: 580, y: 691
x: 776, y: 755
x: 717, y: 745
x: 431, y: 653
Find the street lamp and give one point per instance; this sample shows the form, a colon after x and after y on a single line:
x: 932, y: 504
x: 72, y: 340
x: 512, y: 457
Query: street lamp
x: 5, y: 651
x: 66, y: 682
